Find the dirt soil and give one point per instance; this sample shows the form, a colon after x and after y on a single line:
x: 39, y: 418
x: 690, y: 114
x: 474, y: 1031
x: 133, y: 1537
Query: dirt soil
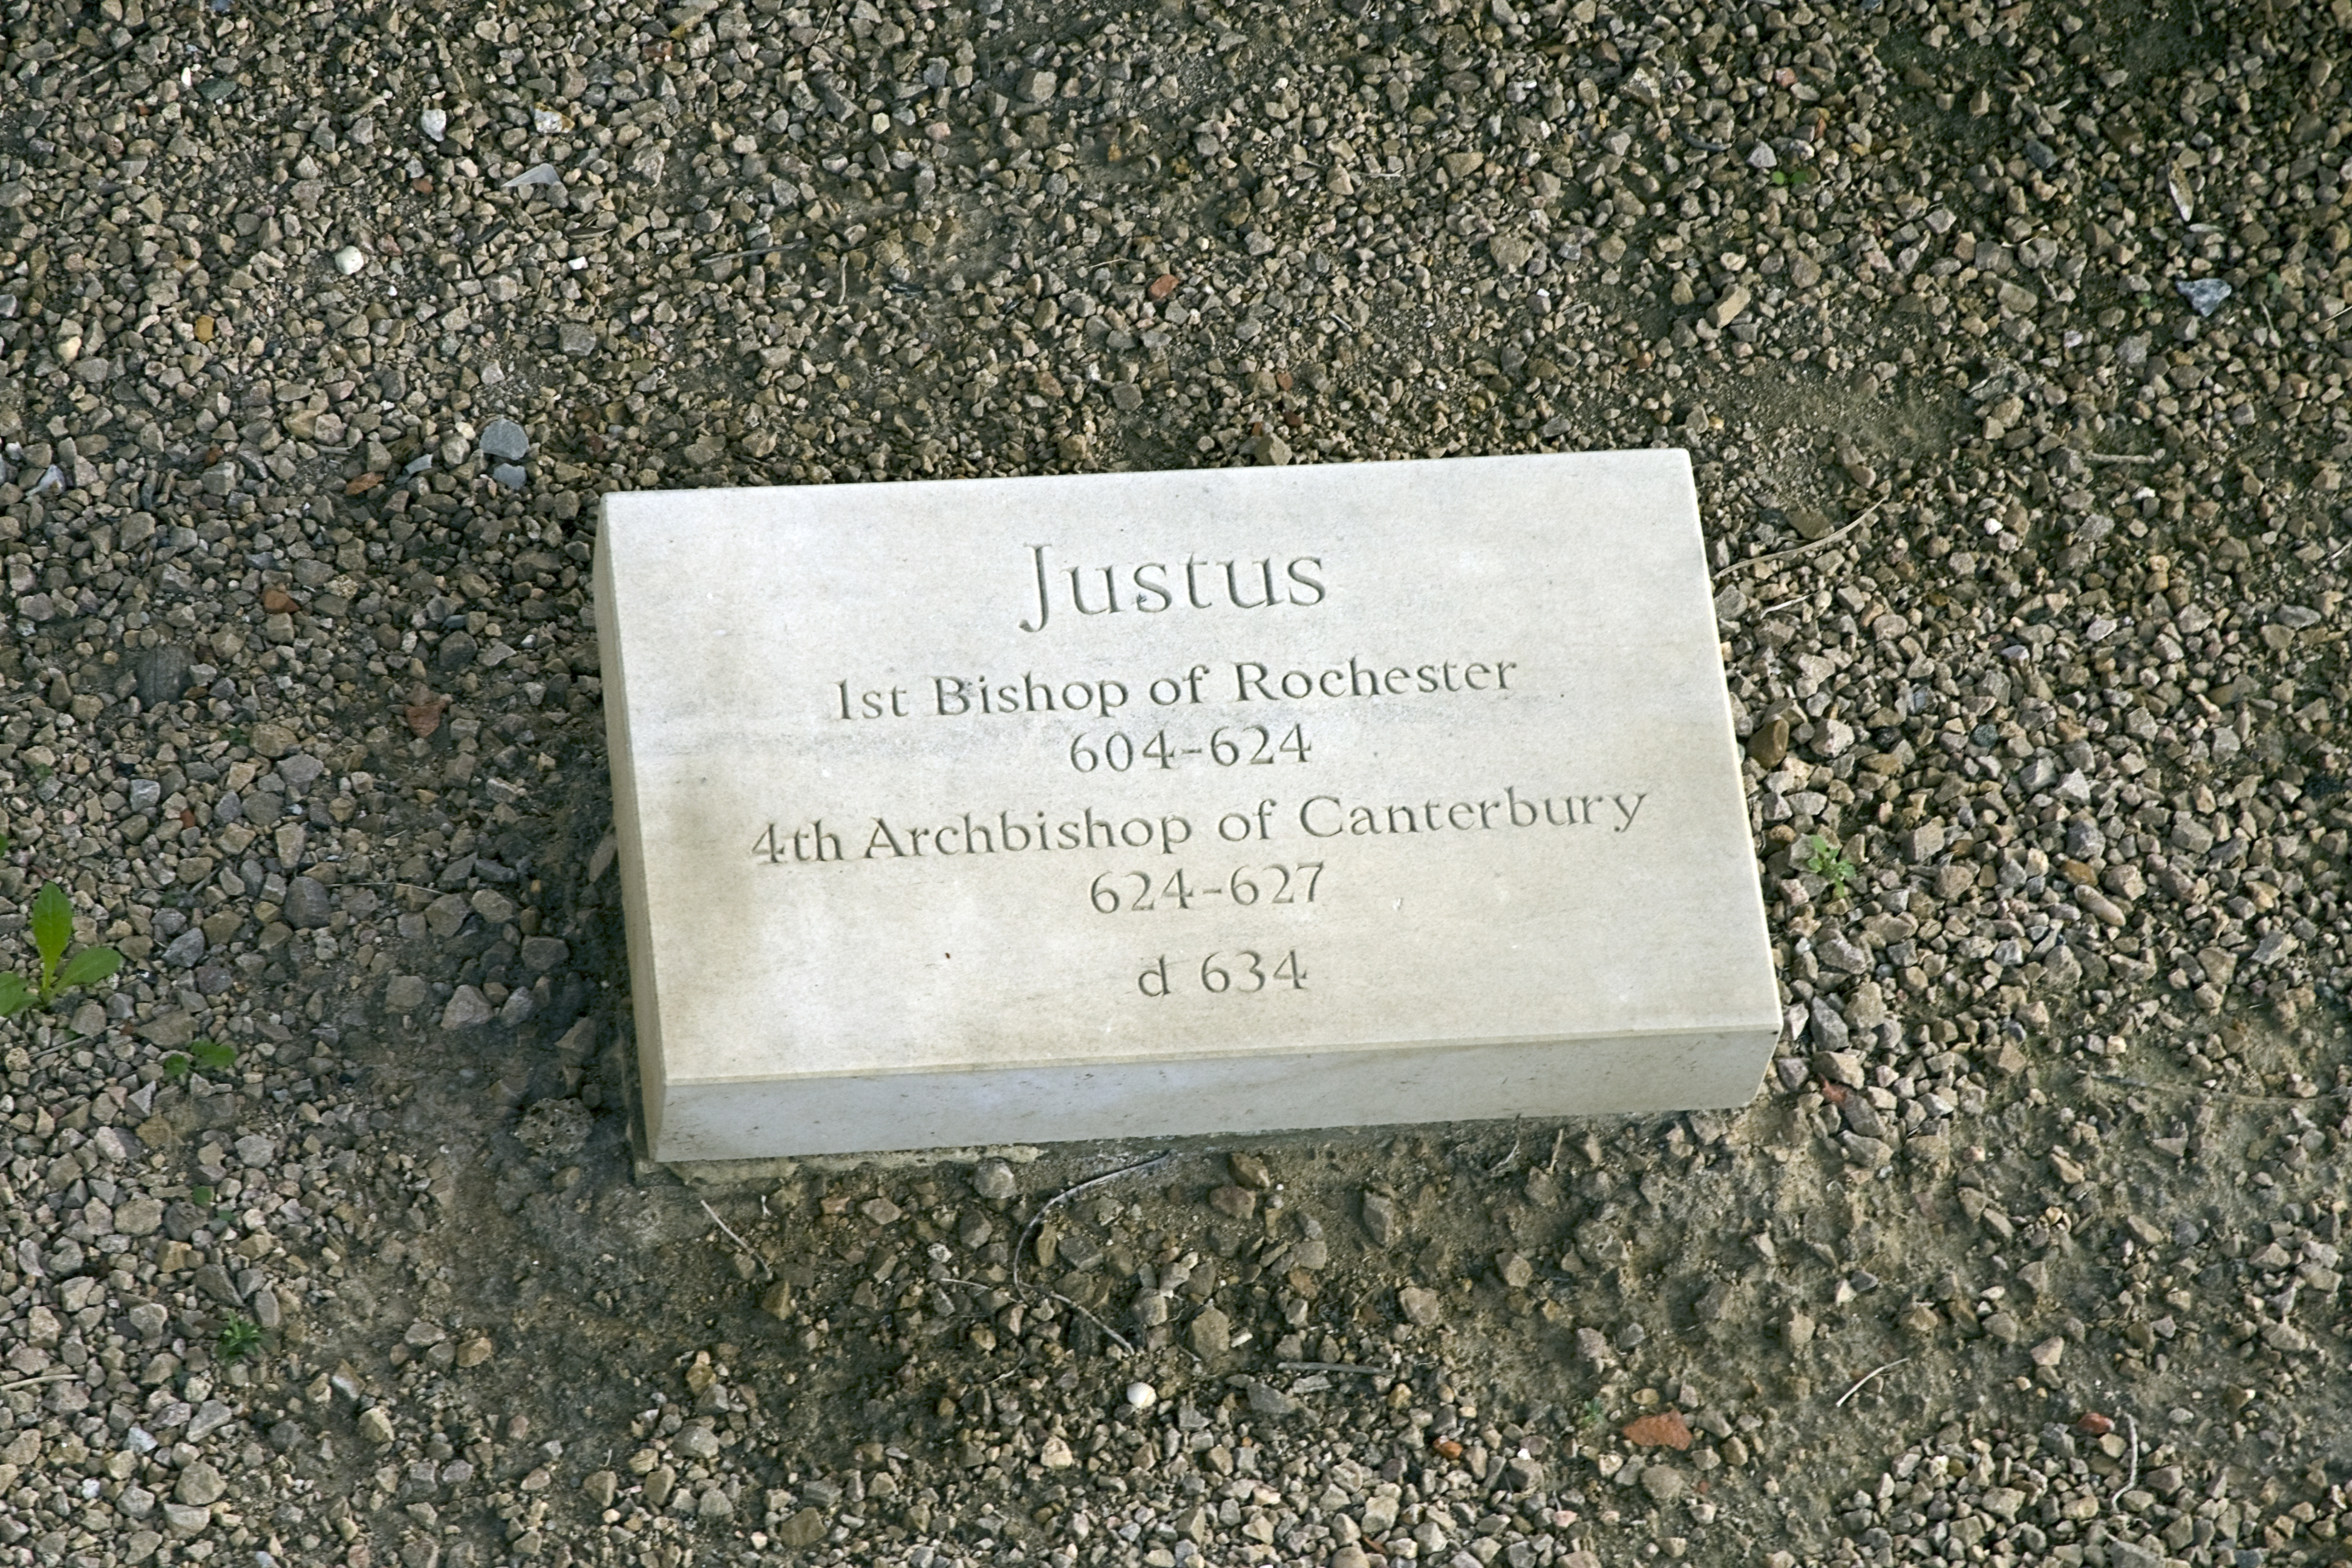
x: 2010, y: 344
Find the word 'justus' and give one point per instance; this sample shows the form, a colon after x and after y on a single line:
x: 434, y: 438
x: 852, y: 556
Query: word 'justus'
x: 1158, y: 586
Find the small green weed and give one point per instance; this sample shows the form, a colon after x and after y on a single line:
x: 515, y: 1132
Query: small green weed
x: 239, y: 1338
x: 1826, y: 860
x: 210, y: 1054
x: 52, y: 929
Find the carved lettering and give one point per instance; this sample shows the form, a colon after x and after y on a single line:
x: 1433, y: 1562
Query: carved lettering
x: 1251, y: 681
x: 1330, y: 816
x: 1249, y: 585
x: 1254, y: 681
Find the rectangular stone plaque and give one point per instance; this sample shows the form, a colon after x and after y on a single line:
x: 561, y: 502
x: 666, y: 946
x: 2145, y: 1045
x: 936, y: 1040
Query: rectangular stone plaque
x: 1134, y: 805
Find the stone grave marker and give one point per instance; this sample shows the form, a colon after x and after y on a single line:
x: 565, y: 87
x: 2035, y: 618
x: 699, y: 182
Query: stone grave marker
x: 1134, y: 805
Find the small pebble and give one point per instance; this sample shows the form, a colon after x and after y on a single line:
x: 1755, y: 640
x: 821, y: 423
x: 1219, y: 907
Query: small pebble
x: 505, y: 440
x: 2204, y: 295
x: 993, y: 1179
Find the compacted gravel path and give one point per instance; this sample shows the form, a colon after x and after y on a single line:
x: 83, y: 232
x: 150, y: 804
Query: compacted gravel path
x: 2010, y: 343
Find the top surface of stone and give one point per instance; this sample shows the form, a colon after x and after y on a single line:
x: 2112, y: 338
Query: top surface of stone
x: 970, y: 773
x: 506, y: 439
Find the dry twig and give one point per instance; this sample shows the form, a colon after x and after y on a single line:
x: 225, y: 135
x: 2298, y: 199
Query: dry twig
x: 2131, y: 1479
x: 1058, y: 1199
x: 1864, y: 1379
x: 738, y: 1240
x: 755, y: 250
x: 2199, y: 1091
x: 58, y: 1377
x: 1823, y: 542
x: 1112, y: 1334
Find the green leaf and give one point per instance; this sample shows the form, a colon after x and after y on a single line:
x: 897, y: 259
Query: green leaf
x: 52, y: 924
x: 211, y: 1056
x: 90, y: 966
x: 15, y: 996
x: 239, y: 1338
x: 175, y: 1066
x: 202, y: 1196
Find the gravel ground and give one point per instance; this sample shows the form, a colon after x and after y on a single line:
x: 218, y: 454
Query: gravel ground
x: 2010, y: 343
